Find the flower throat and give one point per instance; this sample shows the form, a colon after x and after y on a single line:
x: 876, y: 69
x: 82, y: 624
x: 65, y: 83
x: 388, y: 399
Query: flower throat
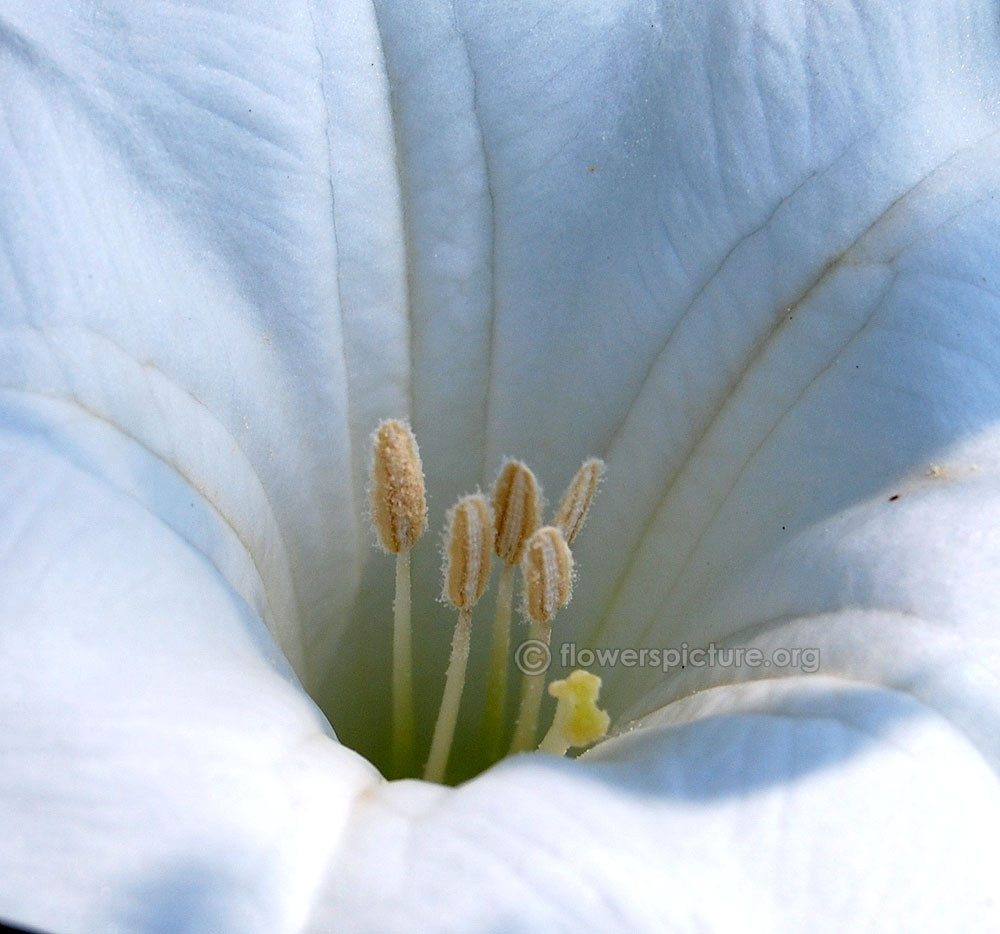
x: 508, y: 526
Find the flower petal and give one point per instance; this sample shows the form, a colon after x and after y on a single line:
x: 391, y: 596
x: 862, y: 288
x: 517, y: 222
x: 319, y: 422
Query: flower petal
x: 763, y: 808
x: 162, y: 766
x: 174, y: 263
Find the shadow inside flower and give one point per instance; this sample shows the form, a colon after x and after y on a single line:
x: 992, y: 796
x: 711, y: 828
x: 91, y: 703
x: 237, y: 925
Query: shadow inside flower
x: 761, y: 736
x: 187, y: 898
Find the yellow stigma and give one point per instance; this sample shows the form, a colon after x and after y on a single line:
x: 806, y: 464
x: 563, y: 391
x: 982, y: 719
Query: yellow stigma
x: 575, y: 502
x: 399, y: 506
x: 547, y: 569
x: 517, y: 506
x: 578, y: 720
x: 468, y: 551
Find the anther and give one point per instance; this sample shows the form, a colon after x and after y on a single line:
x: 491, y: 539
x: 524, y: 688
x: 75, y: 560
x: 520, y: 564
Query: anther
x: 517, y: 506
x: 399, y: 506
x: 547, y: 569
x: 468, y: 551
x: 575, y: 502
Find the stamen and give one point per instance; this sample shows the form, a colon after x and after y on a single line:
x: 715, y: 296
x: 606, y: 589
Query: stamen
x: 475, y: 532
x: 547, y: 571
x: 399, y: 515
x: 517, y: 508
x: 578, y: 720
x: 575, y: 502
x: 468, y: 555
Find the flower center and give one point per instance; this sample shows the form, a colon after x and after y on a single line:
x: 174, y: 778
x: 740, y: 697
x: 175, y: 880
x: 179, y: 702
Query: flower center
x: 507, y: 525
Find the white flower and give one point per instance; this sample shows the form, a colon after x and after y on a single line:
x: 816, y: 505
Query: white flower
x: 745, y: 250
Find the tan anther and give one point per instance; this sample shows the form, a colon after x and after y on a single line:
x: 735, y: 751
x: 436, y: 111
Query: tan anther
x: 517, y: 508
x: 399, y: 506
x: 547, y: 569
x: 577, y: 499
x: 468, y: 551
